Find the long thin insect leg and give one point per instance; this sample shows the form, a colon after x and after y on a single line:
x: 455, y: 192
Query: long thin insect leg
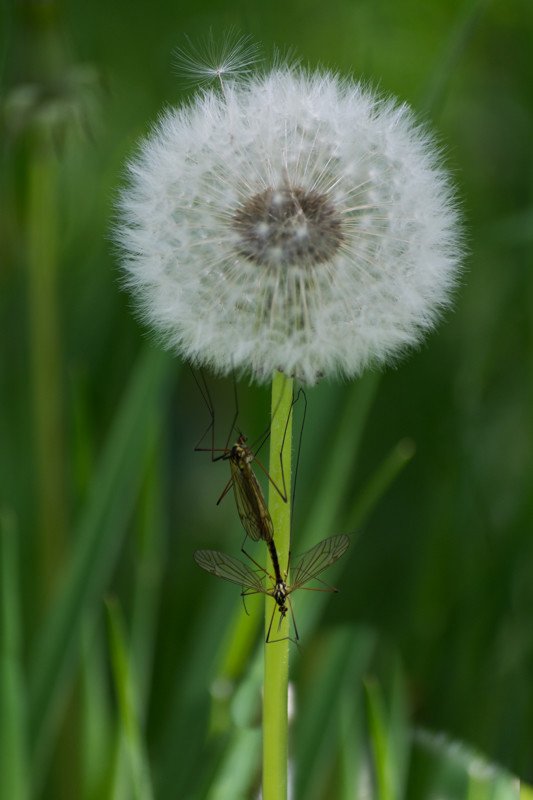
x: 204, y: 391
x: 284, y: 639
x: 282, y: 493
x: 296, y: 634
x: 301, y: 393
x: 245, y: 593
x: 282, y: 448
x: 331, y: 590
x: 328, y: 586
x: 300, y: 438
x: 202, y: 388
x: 206, y: 396
x: 267, y: 640
x: 223, y: 454
x: 288, y: 565
x: 222, y: 450
x: 236, y: 415
x: 226, y: 488
x: 257, y: 564
x: 260, y: 441
x: 212, y: 407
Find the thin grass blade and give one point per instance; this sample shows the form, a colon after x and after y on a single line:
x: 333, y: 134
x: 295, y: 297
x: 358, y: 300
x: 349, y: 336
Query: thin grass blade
x: 98, y: 536
x: 389, y: 735
x: 98, y: 727
x: 456, y: 44
x: 149, y: 564
x: 338, y: 667
x: 240, y: 767
x: 381, y: 755
x: 128, y: 702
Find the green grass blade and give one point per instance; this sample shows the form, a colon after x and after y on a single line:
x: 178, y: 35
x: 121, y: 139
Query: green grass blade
x: 97, y: 724
x: 128, y: 702
x: 148, y: 564
x: 241, y: 760
x: 190, y: 709
x: 338, y: 667
x: 337, y: 470
x: 450, y: 764
x: 456, y: 44
x: 244, y: 717
x: 378, y: 727
x: 14, y: 765
x: 117, y: 785
x: 389, y: 735
x: 98, y: 537
x: 378, y: 483
x: 352, y: 742
x: 366, y: 500
x: 399, y: 730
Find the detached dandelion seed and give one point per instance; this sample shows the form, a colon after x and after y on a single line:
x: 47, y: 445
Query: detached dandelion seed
x: 212, y: 60
x: 294, y: 221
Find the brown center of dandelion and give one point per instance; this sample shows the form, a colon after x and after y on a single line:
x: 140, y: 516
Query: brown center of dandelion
x: 283, y: 227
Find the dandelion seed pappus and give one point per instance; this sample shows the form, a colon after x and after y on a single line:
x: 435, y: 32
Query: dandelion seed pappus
x: 307, y: 567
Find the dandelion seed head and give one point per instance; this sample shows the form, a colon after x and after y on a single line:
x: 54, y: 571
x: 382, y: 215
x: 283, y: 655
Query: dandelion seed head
x: 294, y: 221
x: 286, y: 226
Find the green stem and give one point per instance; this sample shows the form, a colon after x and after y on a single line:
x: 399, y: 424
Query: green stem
x: 275, y: 711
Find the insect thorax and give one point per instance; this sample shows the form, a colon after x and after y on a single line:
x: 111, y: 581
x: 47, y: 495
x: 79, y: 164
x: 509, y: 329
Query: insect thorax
x: 240, y: 454
x: 280, y: 595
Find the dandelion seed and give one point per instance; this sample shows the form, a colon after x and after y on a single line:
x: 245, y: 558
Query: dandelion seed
x: 234, y: 56
x: 293, y: 222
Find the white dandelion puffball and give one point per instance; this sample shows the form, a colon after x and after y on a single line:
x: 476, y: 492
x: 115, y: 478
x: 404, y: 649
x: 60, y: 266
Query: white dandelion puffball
x: 291, y: 221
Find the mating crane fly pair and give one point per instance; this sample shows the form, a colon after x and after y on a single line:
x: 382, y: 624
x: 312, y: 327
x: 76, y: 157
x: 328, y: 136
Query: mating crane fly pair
x: 257, y: 523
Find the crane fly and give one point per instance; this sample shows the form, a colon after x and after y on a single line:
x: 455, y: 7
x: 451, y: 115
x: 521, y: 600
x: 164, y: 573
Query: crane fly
x: 308, y: 566
x: 249, y: 498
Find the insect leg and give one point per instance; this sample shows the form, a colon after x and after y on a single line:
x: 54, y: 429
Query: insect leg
x: 236, y: 415
x: 267, y: 640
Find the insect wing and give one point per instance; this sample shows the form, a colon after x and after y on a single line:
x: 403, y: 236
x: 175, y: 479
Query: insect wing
x: 251, y: 504
x: 318, y: 558
x: 228, y: 568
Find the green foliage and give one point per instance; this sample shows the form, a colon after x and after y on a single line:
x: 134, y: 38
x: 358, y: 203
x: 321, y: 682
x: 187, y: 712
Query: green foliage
x: 429, y: 640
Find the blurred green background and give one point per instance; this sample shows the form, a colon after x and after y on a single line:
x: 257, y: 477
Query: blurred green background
x: 102, y: 499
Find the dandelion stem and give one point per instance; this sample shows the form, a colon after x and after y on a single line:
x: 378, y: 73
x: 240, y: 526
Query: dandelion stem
x: 275, y: 711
